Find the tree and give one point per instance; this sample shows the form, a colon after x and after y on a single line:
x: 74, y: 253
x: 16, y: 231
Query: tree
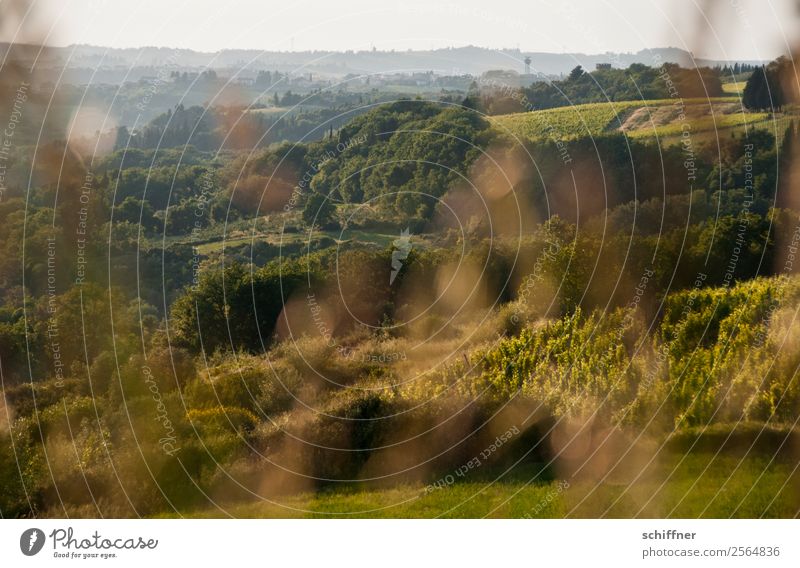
x: 788, y: 168
x: 771, y: 87
x: 319, y: 210
x: 235, y: 307
x: 132, y: 209
x: 757, y: 93
x: 576, y: 73
x: 122, y: 138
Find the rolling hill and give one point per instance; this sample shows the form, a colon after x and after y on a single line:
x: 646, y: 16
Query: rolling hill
x: 664, y: 118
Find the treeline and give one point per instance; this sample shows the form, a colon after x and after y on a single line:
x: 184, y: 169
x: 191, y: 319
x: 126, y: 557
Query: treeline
x: 233, y: 128
x: 735, y: 69
x: 637, y: 82
x: 771, y: 87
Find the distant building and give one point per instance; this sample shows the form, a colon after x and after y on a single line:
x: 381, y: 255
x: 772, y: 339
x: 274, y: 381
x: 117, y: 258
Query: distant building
x: 603, y: 66
x: 422, y: 79
x: 500, y: 78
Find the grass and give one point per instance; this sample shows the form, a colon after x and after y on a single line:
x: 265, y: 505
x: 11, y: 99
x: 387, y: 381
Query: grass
x: 564, y: 123
x: 701, y: 486
x: 596, y: 119
x: 285, y: 110
x: 727, y: 125
x: 707, y: 124
x: 735, y: 88
x: 301, y: 238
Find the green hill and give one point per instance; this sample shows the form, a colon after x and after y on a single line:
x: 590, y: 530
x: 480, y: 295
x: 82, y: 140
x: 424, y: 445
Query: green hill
x: 639, y: 119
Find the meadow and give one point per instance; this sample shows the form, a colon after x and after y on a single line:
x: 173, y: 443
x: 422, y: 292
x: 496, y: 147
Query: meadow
x: 598, y: 119
x: 697, y: 485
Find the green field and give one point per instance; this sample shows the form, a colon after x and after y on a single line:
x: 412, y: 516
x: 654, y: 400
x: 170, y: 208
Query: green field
x: 734, y: 88
x: 707, y: 124
x: 657, y: 117
x: 292, y: 239
x: 277, y: 111
x: 697, y: 486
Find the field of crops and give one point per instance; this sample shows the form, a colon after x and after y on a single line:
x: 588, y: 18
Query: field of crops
x: 734, y: 88
x: 566, y: 123
x: 706, y: 124
x: 596, y: 119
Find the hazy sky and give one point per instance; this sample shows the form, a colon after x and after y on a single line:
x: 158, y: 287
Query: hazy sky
x: 722, y: 29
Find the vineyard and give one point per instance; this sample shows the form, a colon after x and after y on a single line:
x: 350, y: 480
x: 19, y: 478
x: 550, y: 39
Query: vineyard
x: 639, y: 119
